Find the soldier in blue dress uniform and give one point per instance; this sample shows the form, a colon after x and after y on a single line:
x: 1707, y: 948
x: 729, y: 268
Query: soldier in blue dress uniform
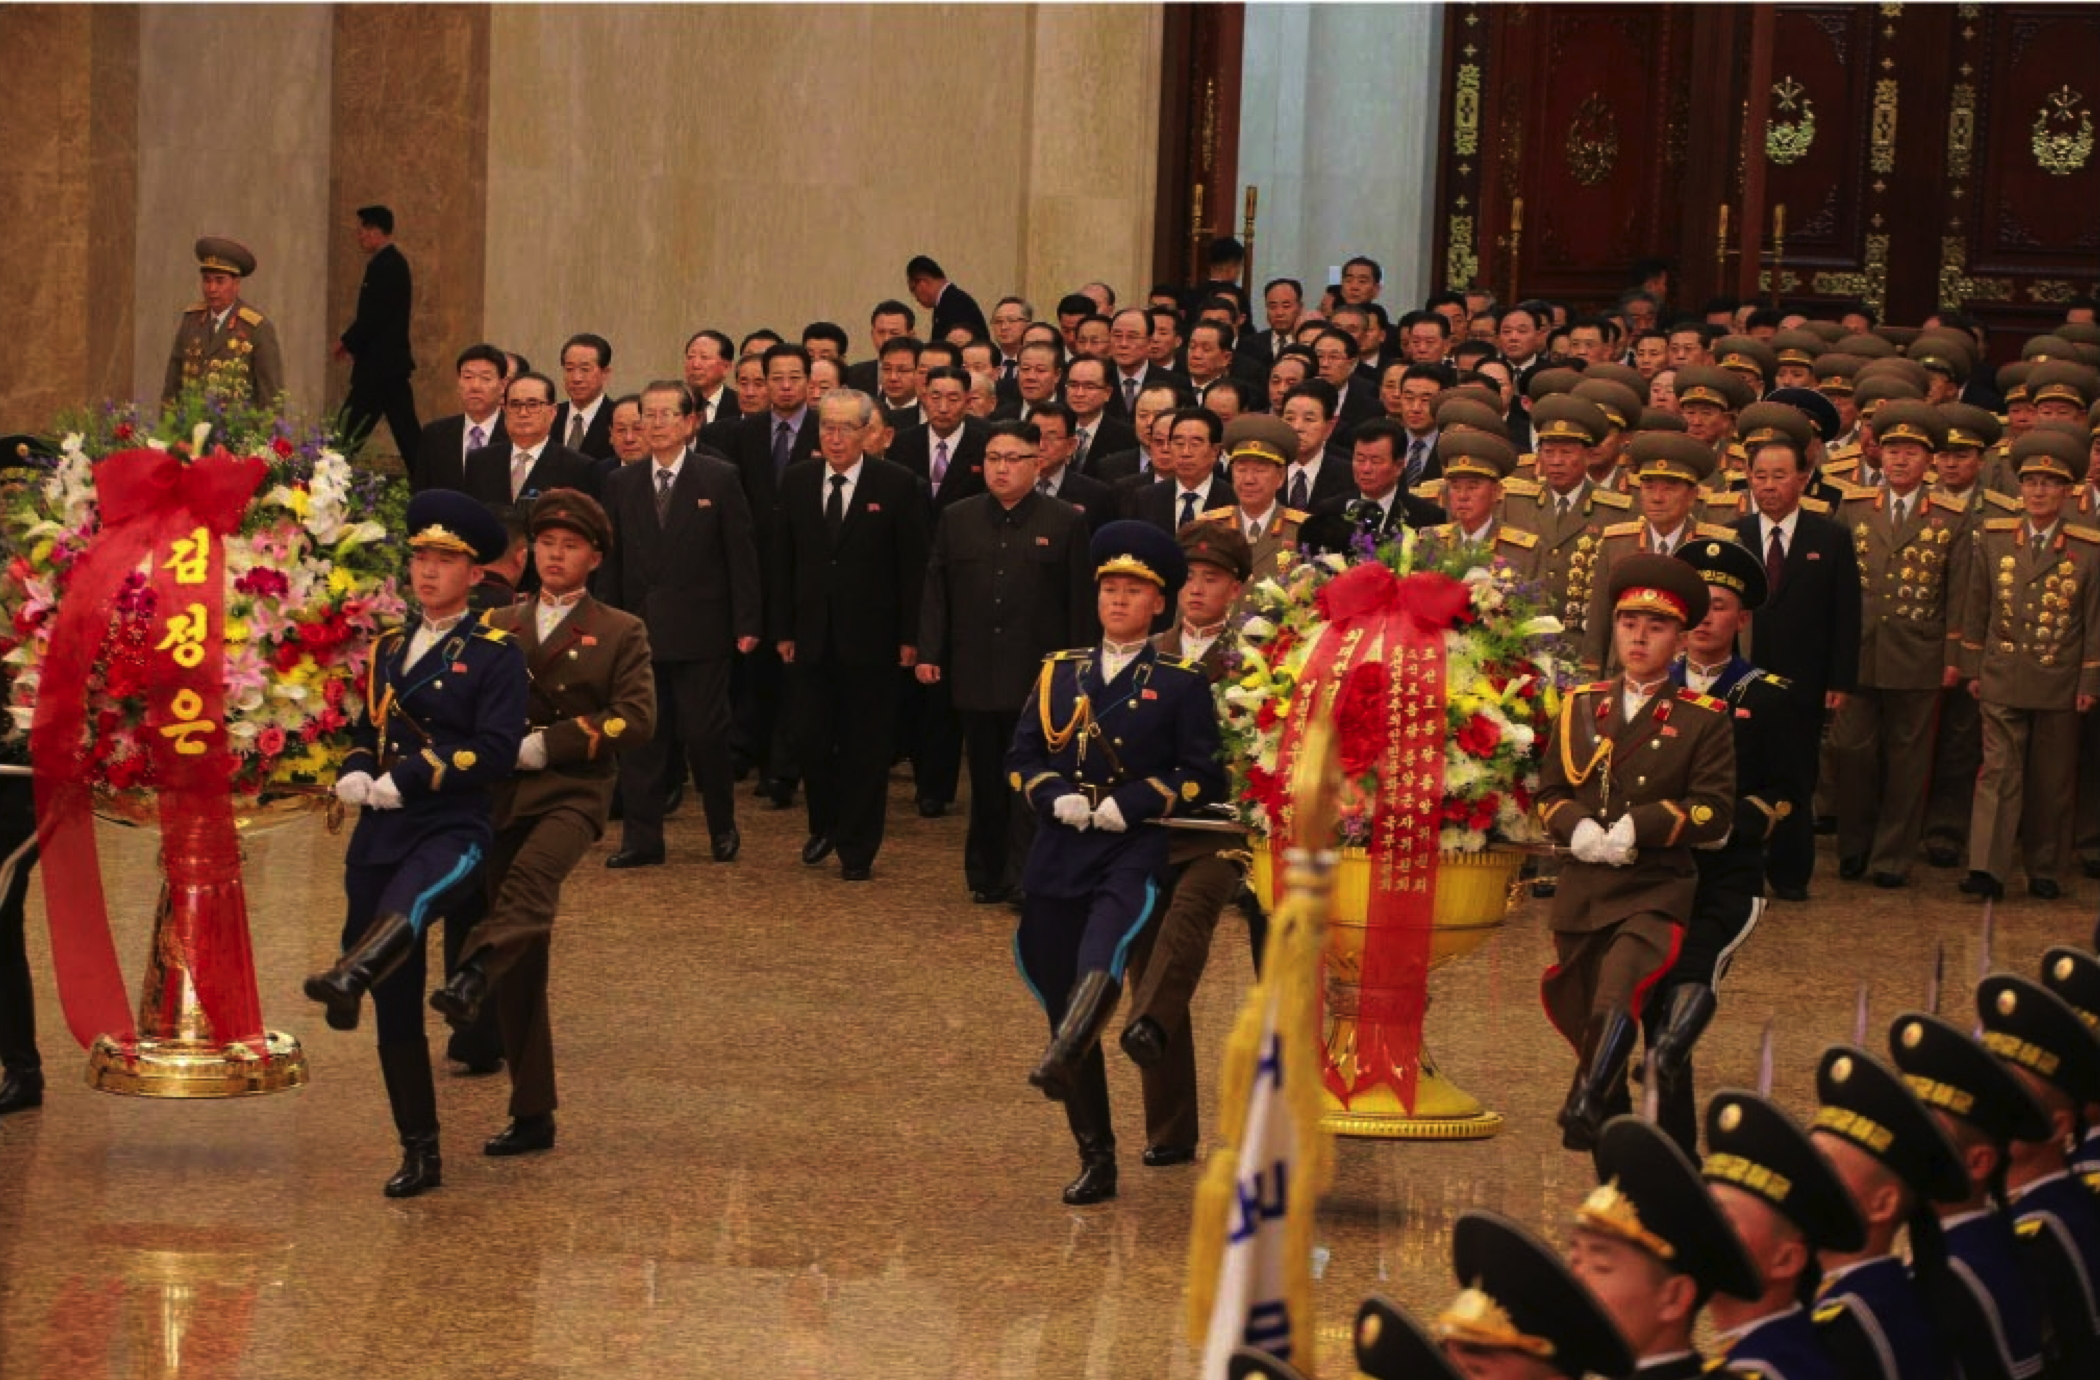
x: 1786, y: 1205
x: 445, y: 704
x: 2074, y: 975
x: 1984, y: 1301
x: 2057, y: 1057
x: 1895, y: 1161
x: 1117, y: 736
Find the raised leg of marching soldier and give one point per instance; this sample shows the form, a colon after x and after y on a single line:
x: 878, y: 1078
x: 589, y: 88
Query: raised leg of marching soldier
x: 478, y: 1046
x: 1956, y: 758
x: 1165, y: 968
x: 1677, y: 1012
x: 1883, y: 773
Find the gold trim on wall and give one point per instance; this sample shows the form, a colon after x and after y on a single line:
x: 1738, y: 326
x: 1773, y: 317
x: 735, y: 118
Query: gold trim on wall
x: 1461, y: 264
x: 1882, y: 134
x: 1788, y: 141
x: 1870, y: 285
x: 1961, y: 130
x: 1465, y: 112
x: 1957, y: 287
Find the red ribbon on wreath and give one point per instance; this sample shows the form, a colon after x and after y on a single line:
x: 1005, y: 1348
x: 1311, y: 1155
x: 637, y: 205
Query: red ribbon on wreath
x: 1378, y: 672
x: 154, y: 507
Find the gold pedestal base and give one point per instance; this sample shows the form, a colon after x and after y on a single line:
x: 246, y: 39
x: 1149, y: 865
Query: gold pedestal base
x: 191, y: 1069
x: 1443, y: 1111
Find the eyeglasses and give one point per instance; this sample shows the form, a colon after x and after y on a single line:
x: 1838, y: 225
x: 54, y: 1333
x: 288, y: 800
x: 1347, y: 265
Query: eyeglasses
x: 525, y: 405
x: 1008, y: 458
x: 842, y: 428
x: 662, y: 414
x: 1071, y: 384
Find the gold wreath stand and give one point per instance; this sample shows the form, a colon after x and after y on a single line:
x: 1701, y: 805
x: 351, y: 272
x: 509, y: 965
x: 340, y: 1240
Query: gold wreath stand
x: 1474, y: 895
x: 176, y: 1054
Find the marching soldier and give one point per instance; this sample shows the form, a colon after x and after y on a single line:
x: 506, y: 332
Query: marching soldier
x: 1653, y: 1247
x: 1475, y: 466
x: 2030, y: 654
x: 1895, y: 1162
x: 444, y: 713
x: 1118, y: 736
x: 1906, y: 539
x: 1637, y: 773
x: 593, y: 695
x: 1670, y: 467
x: 1992, y: 1323
x: 223, y: 343
x: 1786, y: 1205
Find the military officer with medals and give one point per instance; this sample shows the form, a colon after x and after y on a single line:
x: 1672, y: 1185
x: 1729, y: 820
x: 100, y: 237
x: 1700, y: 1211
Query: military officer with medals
x: 445, y: 706
x: 223, y: 344
x: 1860, y: 467
x: 2030, y: 654
x: 1117, y: 736
x: 1787, y: 1205
x: 1567, y: 512
x: 1791, y: 415
x: 1258, y: 448
x: 1652, y: 1245
x: 593, y: 695
x: 1475, y: 465
x: 1896, y: 1162
x: 1636, y: 774
x: 1993, y: 1325
x: 2056, y: 1057
x: 1670, y: 468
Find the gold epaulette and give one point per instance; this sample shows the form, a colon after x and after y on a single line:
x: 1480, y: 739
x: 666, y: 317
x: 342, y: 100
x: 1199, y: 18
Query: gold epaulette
x: 1217, y: 515
x: 1612, y: 498
x: 1070, y: 654
x: 1623, y: 529
x: 1517, y: 536
x: 2085, y: 534
x: 1714, y: 530
x: 1441, y: 530
x: 1736, y: 451
x: 1818, y: 506
x: 1429, y: 488
x: 1293, y: 515
x: 2005, y: 501
x: 1947, y: 504
x: 488, y: 633
x: 1528, y: 488
x: 196, y: 306
x: 1178, y: 663
x: 1829, y: 1313
x: 1781, y: 681
x: 251, y: 316
x: 1851, y: 493
x: 2002, y: 524
x: 1691, y: 696
x: 1596, y: 687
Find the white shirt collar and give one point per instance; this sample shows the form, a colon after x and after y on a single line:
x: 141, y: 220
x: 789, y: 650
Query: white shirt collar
x: 671, y: 469
x: 1785, y: 525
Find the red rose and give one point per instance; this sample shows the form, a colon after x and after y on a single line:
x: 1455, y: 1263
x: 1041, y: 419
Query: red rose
x: 1480, y: 736
x: 282, y: 447
x: 270, y: 741
x: 1266, y: 716
x: 124, y: 432
x: 1360, y: 717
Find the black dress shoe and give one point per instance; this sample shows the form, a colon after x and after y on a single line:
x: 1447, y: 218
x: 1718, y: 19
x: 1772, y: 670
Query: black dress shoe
x: 1852, y: 869
x: 459, y: 1000
x: 1166, y: 1156
x: 855, y: 874
x: 673, y: 798
x: 932, y: 809
x: 1942, y: 855
x: 20, y: 1090
x: 1790, y: 893
x: 991, y: 896
x: 1888, y: 881
x: 728, y: 845
x: 1146, y: 1044
x: 817, y: 849
x: 2043, y: 889
x: 1982, y: 884
x: 637, y: 857
x: 479, y: 1067
x: 1096, y: 1184
x: 422, y: 1168
x: 524, y: 1136
x: 780, y: 794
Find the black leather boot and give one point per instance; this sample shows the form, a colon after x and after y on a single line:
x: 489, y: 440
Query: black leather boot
x: 1092, y: 1002
x: 412, y: 1094
x: 1086, y: 1112
x: 1606, y: 1042
x: 21, y: 1089
x: 1691, y: 1009
x: 342, y: 988
x: 1144, y: 1042
x: 459, y: 1000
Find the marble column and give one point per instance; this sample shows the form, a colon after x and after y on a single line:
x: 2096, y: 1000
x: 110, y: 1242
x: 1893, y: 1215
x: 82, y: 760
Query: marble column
x: 1338, y: 128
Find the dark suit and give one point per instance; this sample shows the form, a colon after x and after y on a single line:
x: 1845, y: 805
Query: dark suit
x: 1359, y: 405
x: 488, y: 473
x: 848, y: 604
x: 1336, y: 479
x: 1405, y: 510
x: 1152, y: 377
x: 1258, y: 348
x: 761, y: 728
x: 1807, y: 631
x: 1095, y: 500
x: 1106, y: 436
x: 597, y: 437
x: 928, y: 729
x: 954, y: 307
x: 441, y: 452
x: 1160, y: 503
x: 913, y: 449
x: 865, y: 377
x: 380, y: 359
x: 1116, y: 467
x: 693, y: 580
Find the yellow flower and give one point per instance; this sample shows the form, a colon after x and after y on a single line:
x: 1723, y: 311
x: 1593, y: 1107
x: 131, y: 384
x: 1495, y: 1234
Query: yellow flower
x: 236, y: 630
x: 341, y: 581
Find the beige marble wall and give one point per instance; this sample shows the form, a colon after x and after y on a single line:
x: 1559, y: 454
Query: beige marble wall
x: 409, y: 129
x: 233, y: 111
x: 66, y: 179
x: 655, y: 169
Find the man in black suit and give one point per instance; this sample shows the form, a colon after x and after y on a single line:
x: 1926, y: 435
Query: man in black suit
x: 709, y: 356
x: 950, y: 305
x: 1096, y: 501
x: 1283, y: 302
x: 584, y: 422
x: 1321, y: 470
x: 442, y: 448
x: 1095, y: 432
x: 376, y: 342
x: 1195, y: 486
x: 1137, y: 463
x: 1038, y: 376
x: 1335, y: 353
x: 1007, y: 583
x: 1129, y: 351
x: 1377, y: 470
x: 849, y: 566
x: 1807, y: 630
x: 685, y: 561
x: 891, y: 320
x: 527, y: 464
x: 1210, y: 357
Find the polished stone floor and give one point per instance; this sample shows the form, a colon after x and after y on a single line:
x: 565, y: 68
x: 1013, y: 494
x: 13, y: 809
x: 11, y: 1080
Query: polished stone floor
x: 796, y: 1141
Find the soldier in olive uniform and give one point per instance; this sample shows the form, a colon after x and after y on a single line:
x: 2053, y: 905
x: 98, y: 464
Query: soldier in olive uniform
x: 1475, y: 465
x: 224, y: 344
x: 1860, y: 465
x: 1670, y: 467
x: 1622, y: 411
x: 1709, y: 398
x: 1637, y: 773
x: 1998, y: 473
x: 2030, y: 652
x: 593, y: 696
x: 1906, y: 539
x: 1567, y: 512
x: 1258, y: 447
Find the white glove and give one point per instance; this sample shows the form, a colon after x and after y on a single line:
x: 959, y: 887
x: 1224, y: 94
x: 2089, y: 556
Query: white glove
x: 1587, y: 843
x: 1071, y: 811
x: 384, y: 794
x: 1618, y: 842
x: 532, y: 752
x: 352, y: 789
x: 1109, y: 815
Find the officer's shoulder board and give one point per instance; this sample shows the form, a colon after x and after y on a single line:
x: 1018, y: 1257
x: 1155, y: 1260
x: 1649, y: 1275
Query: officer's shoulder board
x: 195, y: 307
x: 1070, y: 654
x: 1596, y: 687
x: 1714, y: 531
x: 1818, y: 506
x: 1611, y: 498
x: 1691, y: 696
x: 1429, y: 488
x: 1527, y: 488
x: 1624, y: 529
x: 1217, y: 515
x: 1998, y: 500
x: 489, y: 633
x: 251, y: 316
x: 1293, y: 515
x: 1948, y: 504
x: 1178, y: 663
x: 1776, y: 682
x: 1517, y: 536
x: 2011, y: 524
x: 2090, y: 535
x: 1851, y: 493
x: 1441, y: 530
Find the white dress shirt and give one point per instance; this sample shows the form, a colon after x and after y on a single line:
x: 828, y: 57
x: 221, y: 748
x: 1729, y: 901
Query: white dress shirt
x: 852, y: 474
x: 428, y: 633
x: 1116, y: 655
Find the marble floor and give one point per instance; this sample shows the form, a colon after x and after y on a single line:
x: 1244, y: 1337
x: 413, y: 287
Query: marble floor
x: 796, y: 1141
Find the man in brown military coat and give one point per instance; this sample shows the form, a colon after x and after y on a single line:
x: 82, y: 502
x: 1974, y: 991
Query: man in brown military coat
x: 1637, y: 773
x: 223, y: 343
x: 593, y: 695
x: 2030, y: 652
x: 1257, y: 449
x: 1475, y: 464
x: 1562, y: 506
x: 1670, y: 466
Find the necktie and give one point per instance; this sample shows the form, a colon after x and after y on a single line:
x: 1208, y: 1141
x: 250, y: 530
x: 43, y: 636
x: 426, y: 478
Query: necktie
x: 1566, y: 504
x: 1188, y: 507
x: 940, y: 463
x: 1130, y: 395
x: 476, y: 438
x: 1775, y: 562
x: 1079, y: 450
x: 1300, y: 490
x: 1042, y: 486
x: 663, y: 496
x: 1253, y: 532
x: 1414, y: 461
x: 575, y: 441
x: 835, y: 506
x: 1662, y: 546
x: 783, y: 446
x: 1006, y: 370
x: 520, y: 466
x: 1898, y: 511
